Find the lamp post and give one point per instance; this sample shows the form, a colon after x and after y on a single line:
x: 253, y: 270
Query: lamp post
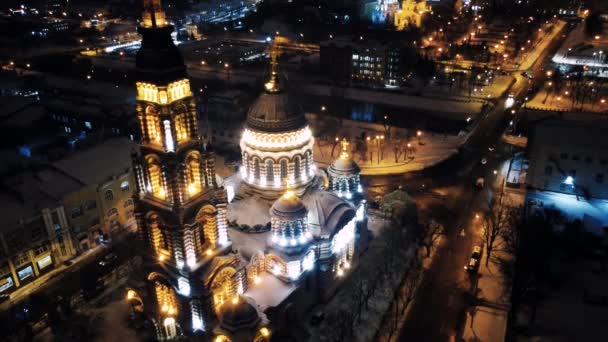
x: 227, y: 67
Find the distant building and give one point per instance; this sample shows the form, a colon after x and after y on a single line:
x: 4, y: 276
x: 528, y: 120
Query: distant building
x: 410, y: 14
x: 35, y: 235
x: 569, y: 168
x: 50, y: 26
x: 362, y: 62
x: 102, y: 207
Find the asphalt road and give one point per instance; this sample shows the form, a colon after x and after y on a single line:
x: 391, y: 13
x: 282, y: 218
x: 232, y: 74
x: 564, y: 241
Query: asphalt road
x: 439, y: 310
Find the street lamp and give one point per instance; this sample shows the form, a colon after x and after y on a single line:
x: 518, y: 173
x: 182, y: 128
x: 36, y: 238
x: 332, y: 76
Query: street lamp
x: 227, y: 67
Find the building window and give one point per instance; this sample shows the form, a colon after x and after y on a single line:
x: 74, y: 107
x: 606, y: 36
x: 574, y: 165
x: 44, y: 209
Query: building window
x: 109, y: 195
x: 41, y: 249
x: 112, y: 212
x: 21, y: 259
x: 90, y: 205
x: 124, y: 186
x: 76, y: 212
x: 548, y: 170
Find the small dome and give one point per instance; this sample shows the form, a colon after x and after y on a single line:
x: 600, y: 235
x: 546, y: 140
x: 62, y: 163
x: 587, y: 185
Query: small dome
x: 288, y: 207
x: 343, y: 166
x: 239, y: 316
x: 275, y: 112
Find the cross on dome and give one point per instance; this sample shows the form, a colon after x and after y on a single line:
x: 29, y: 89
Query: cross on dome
x: 272, y: 86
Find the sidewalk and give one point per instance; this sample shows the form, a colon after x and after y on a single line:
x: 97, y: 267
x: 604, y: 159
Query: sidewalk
x: 487, y: 320
x: 49, y: 278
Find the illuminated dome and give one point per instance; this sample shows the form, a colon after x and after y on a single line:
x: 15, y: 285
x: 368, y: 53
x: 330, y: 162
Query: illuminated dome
x: 343, y: 167
x: 275, y: 112
x: 277, y: 143
x: 344, y: 174
x: 289, y: 206
x: 289, y: 222
x: 240, y: 322
x: 239, y: 316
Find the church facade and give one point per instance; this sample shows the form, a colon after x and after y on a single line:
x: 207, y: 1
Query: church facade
x: 202, y: 276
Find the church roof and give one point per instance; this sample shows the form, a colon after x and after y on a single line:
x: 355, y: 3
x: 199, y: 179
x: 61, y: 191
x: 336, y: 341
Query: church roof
x: 330, y: 212
x: 288, y: 207
x: 343, y: 166
x: 275, y: 112
x: 239, y: 316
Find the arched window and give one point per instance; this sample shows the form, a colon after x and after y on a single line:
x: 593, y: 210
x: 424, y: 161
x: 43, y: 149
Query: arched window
x: 193, y: 174
x: 128, y: 202
x: 308, y: 162
x: 112, y: 212
x: 284, y: 170
x: 296, y: 168
x: 222, y: 287
x: 109, y: 195
x: 153, y: 125
x: 155, y: 175
x: 269, y: 171
x: 256, y: 168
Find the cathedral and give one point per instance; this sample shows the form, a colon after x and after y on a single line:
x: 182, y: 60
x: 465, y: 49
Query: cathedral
x: 204, y: 273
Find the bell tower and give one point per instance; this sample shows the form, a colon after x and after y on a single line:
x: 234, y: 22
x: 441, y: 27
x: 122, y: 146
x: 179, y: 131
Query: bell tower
x: 180, y: 207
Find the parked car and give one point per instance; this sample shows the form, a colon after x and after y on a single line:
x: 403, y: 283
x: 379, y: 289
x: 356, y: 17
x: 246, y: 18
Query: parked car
x: 108, y: 259
x: 471, y: 267
x: 476, y: 254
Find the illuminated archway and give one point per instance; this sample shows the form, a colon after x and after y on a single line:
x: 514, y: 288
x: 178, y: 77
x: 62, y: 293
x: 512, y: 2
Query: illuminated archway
x: 155, y: 177
x: 193, y: 173
x: 153, y: 125
x: 223, y: 287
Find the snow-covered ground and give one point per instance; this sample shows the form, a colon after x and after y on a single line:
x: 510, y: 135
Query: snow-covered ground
x: 371, y: 317
x: 395, y: 155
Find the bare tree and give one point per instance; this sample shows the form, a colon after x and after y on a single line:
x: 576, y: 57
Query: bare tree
x: 432, y: 232
x: 498, y: 222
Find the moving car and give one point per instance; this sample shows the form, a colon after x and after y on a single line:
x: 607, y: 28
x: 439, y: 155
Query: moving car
x: 476, y: 254
x: 472, y: 265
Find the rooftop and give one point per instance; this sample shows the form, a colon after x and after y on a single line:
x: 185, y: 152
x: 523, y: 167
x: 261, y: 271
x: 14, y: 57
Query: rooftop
x: 99, y: 163
x: 26, y: 194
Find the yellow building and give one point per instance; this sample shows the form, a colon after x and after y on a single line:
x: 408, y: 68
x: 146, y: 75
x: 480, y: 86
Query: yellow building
x: 102, y: 207
x: 35, y: 236
x: 410, y: 14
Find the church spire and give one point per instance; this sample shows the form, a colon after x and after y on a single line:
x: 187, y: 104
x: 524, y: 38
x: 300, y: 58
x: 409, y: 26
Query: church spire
x: 154, y: 16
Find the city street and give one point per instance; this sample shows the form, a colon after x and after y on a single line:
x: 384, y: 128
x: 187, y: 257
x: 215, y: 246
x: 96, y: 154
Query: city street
x: 440, y: 307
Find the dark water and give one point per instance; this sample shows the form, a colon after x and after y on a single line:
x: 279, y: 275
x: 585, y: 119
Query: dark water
x: 376, y: 113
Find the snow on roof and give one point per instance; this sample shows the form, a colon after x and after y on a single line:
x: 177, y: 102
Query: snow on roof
x: 249, y: 211
x: 248, y: 244
x: 327, y: 212
x: 27, y: 193
x: 270, y: 292
x: 99, y: 163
